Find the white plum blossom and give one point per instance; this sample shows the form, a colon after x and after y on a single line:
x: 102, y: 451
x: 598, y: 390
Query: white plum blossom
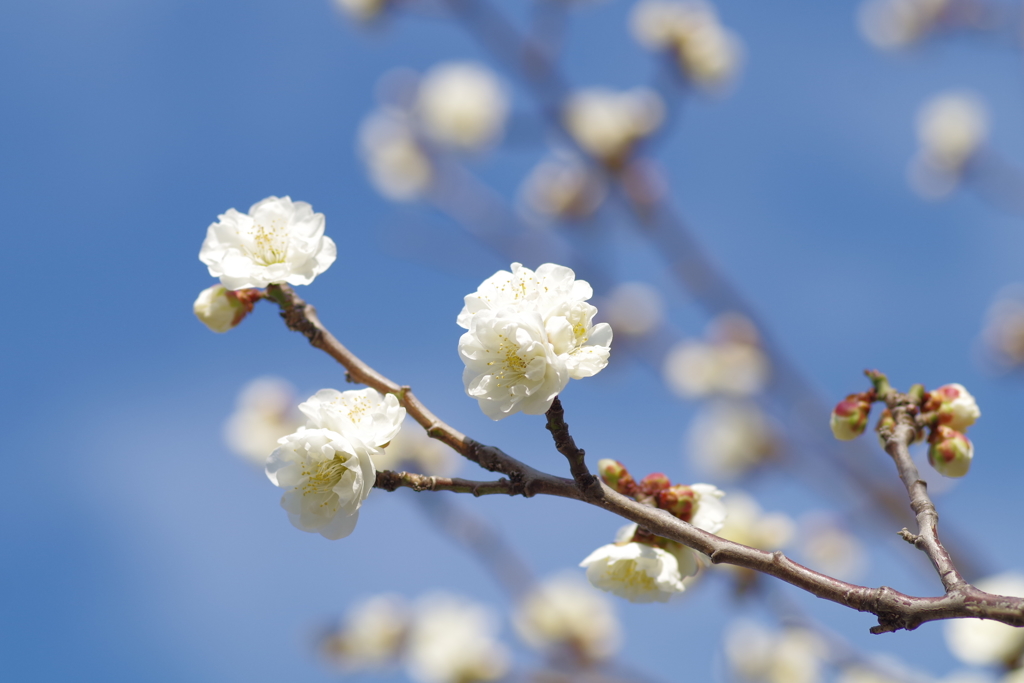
x: 830, y: 548
x: 372, y: 635
x: 398, y: 166
x: 362, y: 10
x: 566, y: 611
x: 365, y: 414
x: 635, y: 571
x: 462, y: 104
x: 708, y: 53
x: 264, y: 413
x: 554, y: 293
x: 696, y: 369
x: 563, y: 187
x: 511, y: 366
x: 982, y: 642
x: 889, y: 24
x: 729, y: 438
x: 748, y: 524
x: 952, y: 128
x: 277, y: 241
x: 608, y: 124
x: 793, y: 655
x: 326, y: 477
x: 453, y: 640
x: 220, y: 309
x: 635, y: 309
x: 709, y: 512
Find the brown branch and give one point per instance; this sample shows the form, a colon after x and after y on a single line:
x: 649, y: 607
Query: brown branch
x: 390, y: 481
x: 586, y: 482
x: 894, y: 610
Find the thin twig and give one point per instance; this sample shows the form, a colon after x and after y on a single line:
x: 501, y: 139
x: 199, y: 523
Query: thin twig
x: 587, y: 483
x: 894, y: 610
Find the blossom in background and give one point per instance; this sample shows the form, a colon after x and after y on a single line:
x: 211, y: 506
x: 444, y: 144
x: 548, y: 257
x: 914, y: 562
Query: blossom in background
x: 453, y: 640
x: 462, y: 104
x: 792, y: 655
x: 411, y: 447
x: 398, y: 166
x: 608, y: 124
x: 1003, y: 335
x: 277, y: 241
x: 696, y: 369
x: 831, y: 549
x: 372, y: 635
x: 729, y: 438
x: 563, y: 187
x: 365, y: 414
x: 564, y: 611
x: 981, y: 642
x: 708, y: 53
x: 634, y: 309
x: 952, y: 128
x: 635, y: 571
x: 510, y: 365
x: 264, y: 413
x: 361, y: 10
x: 326, y: 477
x: 528, y: 334
x: 889, y: 24
x: 747, y: 523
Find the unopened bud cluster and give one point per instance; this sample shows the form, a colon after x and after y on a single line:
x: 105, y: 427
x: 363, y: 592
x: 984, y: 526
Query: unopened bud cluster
x: 657, y: 490
x: 947, y: 411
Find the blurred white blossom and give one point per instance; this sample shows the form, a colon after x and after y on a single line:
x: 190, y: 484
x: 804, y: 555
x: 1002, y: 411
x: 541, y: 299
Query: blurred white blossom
x: 563, y: 187
x: 729, y: 438
x: 748, y: 524
x: 365, y: 414
x: 708, y: 53
x: 412, y: 447
x: 830, y: 548
x: 952, y: 128
x: 277, y: 241
x: 607, y: 124
x: 1003, y: 334
x: 792, y: 655
x: 453, y: 640
x: 980, y: 642
x: 634, y: 308
x: 362, y: 10
x: 326, y: 477
x: 372, y: 635
x: 565, y: 611
x: 889, y: 24
x: 462, y: 104
x: 265, y: 412
x: 397, y: 164
x: 695, y: 369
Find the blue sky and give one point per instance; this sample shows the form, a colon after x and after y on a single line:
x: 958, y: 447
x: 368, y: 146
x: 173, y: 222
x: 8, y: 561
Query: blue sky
x: 137, y: 548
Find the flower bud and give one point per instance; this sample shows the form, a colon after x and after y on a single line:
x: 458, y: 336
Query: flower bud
x: 615, y: 474
x: 956, y: 407
x: 885, y: 421
x: 653, y: 483
x: 220, y: 309
x: 679, y: 500
x: 850, y: 417
x: 950, y: 452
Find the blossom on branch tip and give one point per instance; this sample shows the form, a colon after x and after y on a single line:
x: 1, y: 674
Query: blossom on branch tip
x: 510, y: 365
x: 635, y: 571
x: 462, y: 104
x: 277, y: 241
x: 221, y: 309
x: 365, y: 414
x: 950, y: 452
x: 326, y: 477
x: 956, y: 407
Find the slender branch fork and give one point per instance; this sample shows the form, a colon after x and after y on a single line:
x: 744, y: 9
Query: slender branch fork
x: 895, y: 610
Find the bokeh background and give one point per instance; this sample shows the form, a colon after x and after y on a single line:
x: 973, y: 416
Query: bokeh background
x: 135, y: 546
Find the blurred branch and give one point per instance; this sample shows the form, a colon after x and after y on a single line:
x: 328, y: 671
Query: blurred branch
x: 894, y: 610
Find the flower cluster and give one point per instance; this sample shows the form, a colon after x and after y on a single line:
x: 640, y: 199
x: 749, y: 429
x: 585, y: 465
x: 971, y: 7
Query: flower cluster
x: 645, y: 568
x: 528, y: 334
x: 947, y: 411
x: 326, y: 467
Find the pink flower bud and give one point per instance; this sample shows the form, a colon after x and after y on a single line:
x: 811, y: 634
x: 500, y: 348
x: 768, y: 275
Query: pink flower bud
x: 850, y: 417
x: 950, y: 452
x: 615, y: 474
x: 679, y: 500
x: 220, y: 309
x: 956, y: 407
x: 653, y: 483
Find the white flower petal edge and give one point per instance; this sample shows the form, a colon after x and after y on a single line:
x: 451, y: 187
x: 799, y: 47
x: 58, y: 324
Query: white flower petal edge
x: 277, y: 241
x: 366, y: 414
x: 327, y: 477
x: 711, y: 512
x: 542, y: 291
x: 637, y: 572
x: 510, y: 365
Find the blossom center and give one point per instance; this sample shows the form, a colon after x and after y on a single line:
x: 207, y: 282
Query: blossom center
x: 267, y: 244
x: 323, y: 477
x: 513, y: 367
x: 627, y: 572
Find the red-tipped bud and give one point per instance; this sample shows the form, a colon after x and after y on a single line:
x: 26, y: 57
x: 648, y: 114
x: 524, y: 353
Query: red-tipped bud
x: 850, y: 417
x: 679, y: 500
x: 220, y: 309
x: 653, y: 483
x: 615, y: 474
x: 950, y: 452
x: 955, y: 406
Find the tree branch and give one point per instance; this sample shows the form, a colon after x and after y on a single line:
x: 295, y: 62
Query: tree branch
x: 894, y: 610
x: 586, y: 482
